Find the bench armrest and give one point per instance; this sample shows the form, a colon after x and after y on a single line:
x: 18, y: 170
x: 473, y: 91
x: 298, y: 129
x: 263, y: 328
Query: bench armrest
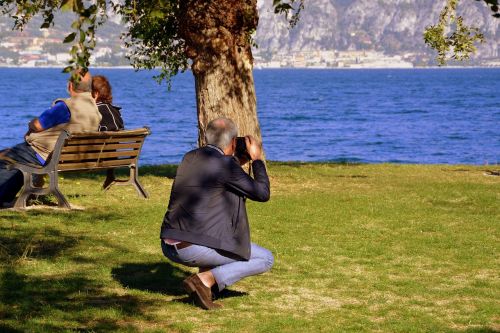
x: 31, y: 168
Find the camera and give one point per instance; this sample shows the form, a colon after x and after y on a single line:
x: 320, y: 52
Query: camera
x: 241, y: 151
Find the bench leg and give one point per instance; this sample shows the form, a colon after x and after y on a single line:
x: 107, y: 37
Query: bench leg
x: 26, y: 191
x: 110, y: 179
x: 54, y: 189
x: 134, y: 179
x: 31, y: 186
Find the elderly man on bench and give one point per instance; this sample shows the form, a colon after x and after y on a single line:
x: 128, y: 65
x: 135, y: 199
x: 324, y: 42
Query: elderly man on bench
x: 78, y: 113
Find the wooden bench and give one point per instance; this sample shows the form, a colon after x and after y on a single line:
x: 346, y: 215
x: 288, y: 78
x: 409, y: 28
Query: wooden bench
x: 83, y: 152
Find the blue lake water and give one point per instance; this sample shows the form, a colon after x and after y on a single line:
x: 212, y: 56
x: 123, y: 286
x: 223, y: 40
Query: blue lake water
x: 449, y: 116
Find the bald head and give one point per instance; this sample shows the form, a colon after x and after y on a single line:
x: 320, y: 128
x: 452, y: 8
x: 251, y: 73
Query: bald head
x: 220, y: 132
x: 83, y: 83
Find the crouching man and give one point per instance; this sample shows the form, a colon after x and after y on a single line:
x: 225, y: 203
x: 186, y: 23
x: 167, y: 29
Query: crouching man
x: 206, y: 223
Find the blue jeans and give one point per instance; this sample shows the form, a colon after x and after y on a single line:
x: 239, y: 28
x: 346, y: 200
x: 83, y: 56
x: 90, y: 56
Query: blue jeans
x: 226, y: 270
x: 11, y: 181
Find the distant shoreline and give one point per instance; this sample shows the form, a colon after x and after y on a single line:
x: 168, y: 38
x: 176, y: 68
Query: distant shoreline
x: 280, y: 68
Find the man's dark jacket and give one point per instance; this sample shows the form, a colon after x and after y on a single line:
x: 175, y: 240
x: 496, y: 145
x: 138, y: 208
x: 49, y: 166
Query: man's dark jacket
x: 207, y: 202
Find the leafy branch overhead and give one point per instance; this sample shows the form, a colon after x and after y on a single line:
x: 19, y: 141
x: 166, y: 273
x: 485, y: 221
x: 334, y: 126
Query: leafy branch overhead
x: 494, y: 6
x: 451, y: 37
x: 287, y: 8
x: 82, y: 37
x: 152, y: 38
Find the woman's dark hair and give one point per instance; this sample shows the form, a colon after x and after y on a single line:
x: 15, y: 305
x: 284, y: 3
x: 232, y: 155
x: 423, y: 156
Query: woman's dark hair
x: 100, y: 84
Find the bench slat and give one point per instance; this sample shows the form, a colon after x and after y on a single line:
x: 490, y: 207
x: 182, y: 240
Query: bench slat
x: 95, y: 156
x: 93, y: 141
x: 124, y: 133
x: 90, y: 148
x: 94, y: 165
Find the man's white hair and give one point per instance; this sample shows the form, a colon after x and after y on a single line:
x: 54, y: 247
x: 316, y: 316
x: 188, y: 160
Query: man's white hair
x: 220, y: 132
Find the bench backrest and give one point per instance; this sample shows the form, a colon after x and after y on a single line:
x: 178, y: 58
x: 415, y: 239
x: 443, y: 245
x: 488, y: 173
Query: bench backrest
x: 98, y: 150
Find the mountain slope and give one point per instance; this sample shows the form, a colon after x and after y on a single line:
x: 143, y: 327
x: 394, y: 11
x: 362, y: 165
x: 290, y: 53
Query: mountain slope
x: 393, y: 27
x: 390, y: 26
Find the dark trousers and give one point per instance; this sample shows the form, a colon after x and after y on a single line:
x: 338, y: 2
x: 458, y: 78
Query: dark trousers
x: 11, y: 181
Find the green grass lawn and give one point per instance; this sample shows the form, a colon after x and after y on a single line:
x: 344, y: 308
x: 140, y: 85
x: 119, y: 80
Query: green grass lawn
x: 358, y: 248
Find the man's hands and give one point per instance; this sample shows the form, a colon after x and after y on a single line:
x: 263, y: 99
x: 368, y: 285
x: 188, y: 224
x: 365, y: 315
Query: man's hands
x: 35, y: 126
x: 254, y: 148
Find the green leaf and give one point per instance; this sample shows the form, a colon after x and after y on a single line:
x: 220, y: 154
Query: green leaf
x: 69, y: 38
x: 157, y: 14
x: 67, y: 5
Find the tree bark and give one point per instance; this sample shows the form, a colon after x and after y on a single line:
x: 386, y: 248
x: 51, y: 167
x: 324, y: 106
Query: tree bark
x: 217, y: 35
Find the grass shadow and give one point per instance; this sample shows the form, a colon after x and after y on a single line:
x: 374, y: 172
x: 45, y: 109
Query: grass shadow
x: 351, y: 176
x: 27, y: 299
x: 22, y: 244
x: 4, y: 328
x: 21, y: 239
x: 161, y: 277
x: 480, y: 330
x: 227, y: 293
x: 332, y: 164
x: 164, y: 170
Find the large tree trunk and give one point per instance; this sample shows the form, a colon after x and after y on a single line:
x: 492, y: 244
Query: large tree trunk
x: 217, y: 35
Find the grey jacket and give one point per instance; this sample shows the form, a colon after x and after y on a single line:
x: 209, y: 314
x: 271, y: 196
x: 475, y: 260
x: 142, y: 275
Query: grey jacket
x: 207, y: 201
